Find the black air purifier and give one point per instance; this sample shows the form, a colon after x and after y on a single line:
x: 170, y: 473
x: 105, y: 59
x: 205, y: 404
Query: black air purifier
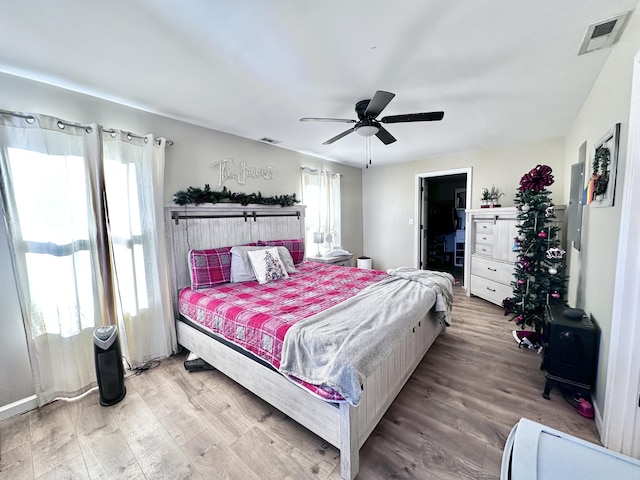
x: 109, y: 369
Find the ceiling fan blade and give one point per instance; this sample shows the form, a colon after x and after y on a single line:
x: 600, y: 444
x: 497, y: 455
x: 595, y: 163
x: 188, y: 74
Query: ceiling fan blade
x: 338, y: 137
x: 380, y: 100
x: 316, y: 119
x: 414, y: 117
x: 384, y: 135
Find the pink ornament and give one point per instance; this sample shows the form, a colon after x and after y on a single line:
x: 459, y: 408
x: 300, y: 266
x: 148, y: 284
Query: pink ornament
x: 542, y: 234
x: 555, y: 295
x: 520, y: 281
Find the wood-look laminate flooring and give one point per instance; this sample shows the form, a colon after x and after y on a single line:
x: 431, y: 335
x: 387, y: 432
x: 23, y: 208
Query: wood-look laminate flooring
x: 450, y: 421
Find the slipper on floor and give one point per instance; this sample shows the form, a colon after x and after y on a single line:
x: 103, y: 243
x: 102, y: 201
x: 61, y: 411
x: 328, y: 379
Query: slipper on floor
x: 585, y: 408
x: 528, y: 339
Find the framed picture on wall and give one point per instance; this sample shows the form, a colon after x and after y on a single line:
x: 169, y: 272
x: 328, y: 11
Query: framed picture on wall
x: 601, y: 187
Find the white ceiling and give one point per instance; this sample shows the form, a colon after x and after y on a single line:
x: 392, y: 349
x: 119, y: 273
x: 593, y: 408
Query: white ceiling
x: 504, y: 72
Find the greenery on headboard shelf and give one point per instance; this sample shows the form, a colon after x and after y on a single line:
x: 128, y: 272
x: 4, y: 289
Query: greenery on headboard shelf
x: 197, y: 196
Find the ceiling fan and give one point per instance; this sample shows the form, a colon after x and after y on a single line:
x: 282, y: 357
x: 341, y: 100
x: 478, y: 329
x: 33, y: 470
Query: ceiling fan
x: 369, y: 125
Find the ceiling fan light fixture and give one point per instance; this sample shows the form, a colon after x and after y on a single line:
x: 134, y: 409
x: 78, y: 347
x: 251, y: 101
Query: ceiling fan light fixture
x: 368, y: 125
x: 367, y: 130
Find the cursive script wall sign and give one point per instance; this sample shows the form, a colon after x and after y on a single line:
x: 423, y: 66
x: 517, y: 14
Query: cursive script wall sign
x: 240, y: 171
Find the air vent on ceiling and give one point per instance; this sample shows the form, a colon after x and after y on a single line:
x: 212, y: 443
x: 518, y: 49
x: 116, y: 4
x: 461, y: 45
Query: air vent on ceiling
x: 604, y: 34
x: 269, y: 140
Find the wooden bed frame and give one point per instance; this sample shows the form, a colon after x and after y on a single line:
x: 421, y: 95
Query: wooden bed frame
x: 342, y: 425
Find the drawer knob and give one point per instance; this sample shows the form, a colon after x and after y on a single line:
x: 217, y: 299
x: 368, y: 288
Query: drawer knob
x: 491, y: 289
x: 492, y: 269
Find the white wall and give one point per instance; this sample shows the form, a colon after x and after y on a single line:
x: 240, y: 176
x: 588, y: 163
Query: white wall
x: 591, y: 282
x: 389, y: 192
x: 187, y: 164
x: 16, y: 381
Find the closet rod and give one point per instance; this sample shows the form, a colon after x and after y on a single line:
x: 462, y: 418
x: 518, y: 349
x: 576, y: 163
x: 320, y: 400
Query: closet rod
x: 176, y: 216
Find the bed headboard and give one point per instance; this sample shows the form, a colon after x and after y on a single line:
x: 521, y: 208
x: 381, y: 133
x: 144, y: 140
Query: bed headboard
x: 220, y: 225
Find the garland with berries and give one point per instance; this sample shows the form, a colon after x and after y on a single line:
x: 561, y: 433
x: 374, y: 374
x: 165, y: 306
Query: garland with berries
x: 197, y: 196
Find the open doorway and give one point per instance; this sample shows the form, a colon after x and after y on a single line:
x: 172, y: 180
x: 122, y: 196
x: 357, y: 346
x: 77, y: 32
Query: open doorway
x: 441, y: 201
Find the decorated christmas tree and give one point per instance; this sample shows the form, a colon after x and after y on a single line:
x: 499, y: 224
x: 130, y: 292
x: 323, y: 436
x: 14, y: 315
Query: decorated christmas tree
x: 539, y: 275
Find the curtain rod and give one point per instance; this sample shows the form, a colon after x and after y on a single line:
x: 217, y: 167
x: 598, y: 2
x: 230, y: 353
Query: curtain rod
x: 62, y: 124
x: 130, y: 135
x: 315, y: 171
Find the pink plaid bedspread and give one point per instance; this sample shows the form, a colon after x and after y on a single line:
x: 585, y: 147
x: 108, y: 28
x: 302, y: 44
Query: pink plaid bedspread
x: 257, y: 317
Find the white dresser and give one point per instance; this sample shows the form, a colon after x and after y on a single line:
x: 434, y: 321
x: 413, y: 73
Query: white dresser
x: 491, y: 264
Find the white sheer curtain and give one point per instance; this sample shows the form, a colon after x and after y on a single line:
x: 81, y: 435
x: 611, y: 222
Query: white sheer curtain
x: 77, y: 266
x: 134, y: 179
x: 51, y: 191
x: 321, y: 195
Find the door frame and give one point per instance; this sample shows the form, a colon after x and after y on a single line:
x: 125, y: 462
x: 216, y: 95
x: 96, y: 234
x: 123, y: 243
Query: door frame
x: 418, y: 207
x: 620, y: 429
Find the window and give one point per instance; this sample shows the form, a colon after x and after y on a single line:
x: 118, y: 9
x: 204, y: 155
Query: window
x: 121, y: 185
x: 84, y: 210
x: 321, y: 195
x: 54, y: 228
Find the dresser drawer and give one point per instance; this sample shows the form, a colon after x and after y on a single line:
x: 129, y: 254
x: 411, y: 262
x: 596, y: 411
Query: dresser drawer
x: 484, y: 238
x: 344, y: 263
x: 484, y: 226
x: 492, y: 291
x: 483, y: 249
x: 501, y: 272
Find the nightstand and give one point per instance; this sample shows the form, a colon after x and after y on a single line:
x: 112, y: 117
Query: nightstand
x: 342, y: 260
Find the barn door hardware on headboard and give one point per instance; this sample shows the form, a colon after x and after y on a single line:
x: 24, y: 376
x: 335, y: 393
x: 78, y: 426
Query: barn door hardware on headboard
x: 176, y: 216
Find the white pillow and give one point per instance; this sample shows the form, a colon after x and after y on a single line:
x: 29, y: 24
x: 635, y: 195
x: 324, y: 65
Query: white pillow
x: 287, y: 259
x: 241, y: 270
x: 267, y: 265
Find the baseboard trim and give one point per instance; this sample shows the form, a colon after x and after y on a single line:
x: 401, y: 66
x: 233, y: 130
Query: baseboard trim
x: 598, y: 420
x: 21, y: 406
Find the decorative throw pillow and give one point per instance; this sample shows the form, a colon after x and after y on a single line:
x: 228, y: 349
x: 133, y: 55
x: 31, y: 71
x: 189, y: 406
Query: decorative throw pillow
x: 295, y: 247
x: 209, y: 267
x: 241, y: 269
x: 267, y: 265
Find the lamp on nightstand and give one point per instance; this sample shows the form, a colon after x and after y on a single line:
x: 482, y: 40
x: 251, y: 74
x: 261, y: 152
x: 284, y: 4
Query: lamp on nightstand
x: 318, y: 238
